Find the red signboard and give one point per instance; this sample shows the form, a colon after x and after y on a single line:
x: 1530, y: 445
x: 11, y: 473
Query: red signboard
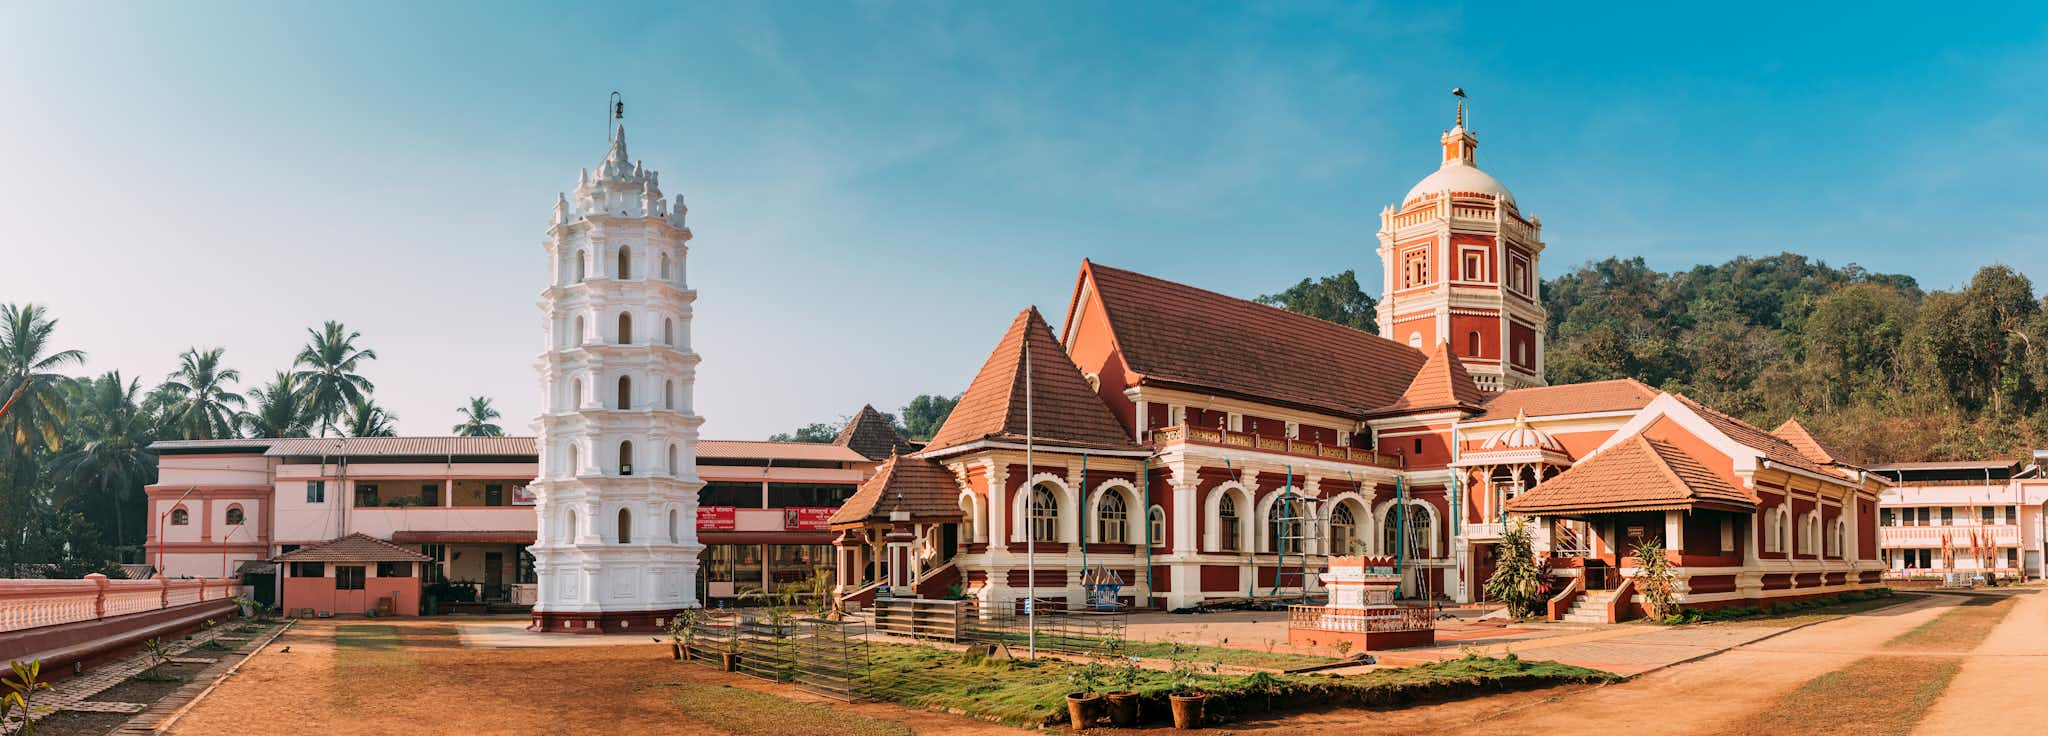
x: 715, y: 518
x: 806, y: 518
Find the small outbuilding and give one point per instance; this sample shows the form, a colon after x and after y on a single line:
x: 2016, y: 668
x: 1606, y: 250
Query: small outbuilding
x: 353, y: 575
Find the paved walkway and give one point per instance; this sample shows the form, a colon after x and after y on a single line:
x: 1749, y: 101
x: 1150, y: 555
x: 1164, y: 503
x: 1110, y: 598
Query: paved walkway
x: 1997, y: 689
x: 511, y: 633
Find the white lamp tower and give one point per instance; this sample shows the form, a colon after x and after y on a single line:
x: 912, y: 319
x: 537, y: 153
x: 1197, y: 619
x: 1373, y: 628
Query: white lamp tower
x: 617, y: 493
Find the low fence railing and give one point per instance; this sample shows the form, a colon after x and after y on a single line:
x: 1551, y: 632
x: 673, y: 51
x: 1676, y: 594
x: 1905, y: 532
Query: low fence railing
x: 30, y: 604
x: 1361, y: 620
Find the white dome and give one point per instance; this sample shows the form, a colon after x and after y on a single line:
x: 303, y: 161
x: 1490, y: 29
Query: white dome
x: 1459, y: 176
x: 1523, y: 436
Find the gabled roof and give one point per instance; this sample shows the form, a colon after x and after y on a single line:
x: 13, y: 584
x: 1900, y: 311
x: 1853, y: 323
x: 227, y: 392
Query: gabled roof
x: 1638, y: 474
x: 1807, y: 444
x: 872, y: 435
x: 1773, y: 447
x: 1442, y: 383
x: 1626, y: 394
x: 1065, y: 410
x: 357, y: 547
x: 1180, y: 336
x: 922, y: 487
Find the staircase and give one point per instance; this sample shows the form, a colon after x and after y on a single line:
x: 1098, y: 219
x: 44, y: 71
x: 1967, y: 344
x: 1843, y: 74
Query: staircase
x: 1591, y: 607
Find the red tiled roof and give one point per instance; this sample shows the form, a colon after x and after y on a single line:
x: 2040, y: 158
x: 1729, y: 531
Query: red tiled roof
x: 1442, y: 383
x: 357, y: 547
x: 777, y: 450
x: 872, y: 435
x: 1638, y: 474
x: 1065, y: 411
x: 1575, y: 398
x: 1773, y: 447
x: 503, y: 536
x: 1807, y: 444
x: 1178, y: 335
x: 922, y: 487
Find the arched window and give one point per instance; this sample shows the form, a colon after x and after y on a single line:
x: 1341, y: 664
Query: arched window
x: 234, y: 516
x: 574, y: 457
x: 668, y: 395
x: 625, y: 262
x: 569, y: 530
x: 1283, y: 525
x: 1414, y: 339
x: 664, y: 266
x: 625, y: 393
x: 1784, y: 529
x: 582, y: 265
x: 672, y: 469
x: 576, y: 395
x: 1420, y: 539
x: 625, y: 526
x: 180, y: 517
x: 668, y: 332
x: 579, y: 330
x: 1228, y: 530
x: 1112, y: 518
x: 626, y: 457
x: 674, y: 536
x: 967, y: 520
x: 1156, y: 525
x: 1472, y: 343
x: 625, y: 328
x: 1044, y: 515
x: 1343, y: 530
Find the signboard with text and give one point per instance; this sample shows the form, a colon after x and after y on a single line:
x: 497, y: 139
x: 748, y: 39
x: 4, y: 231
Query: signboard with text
x: 716, y: 518
x: 806, y: 518
x: 522, y: 495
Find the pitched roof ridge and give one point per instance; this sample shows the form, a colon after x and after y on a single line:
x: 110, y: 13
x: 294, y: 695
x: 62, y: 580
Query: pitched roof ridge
x: 1429, y: 390
x: 1291, y: 314
x: 993, y: 404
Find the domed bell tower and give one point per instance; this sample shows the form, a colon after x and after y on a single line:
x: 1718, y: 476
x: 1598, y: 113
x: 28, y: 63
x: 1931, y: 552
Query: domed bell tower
x: 1459, y: 262
x: 617, y: 493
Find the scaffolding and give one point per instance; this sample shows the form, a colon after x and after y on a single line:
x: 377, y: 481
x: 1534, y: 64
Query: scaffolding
x: 1297, y: 525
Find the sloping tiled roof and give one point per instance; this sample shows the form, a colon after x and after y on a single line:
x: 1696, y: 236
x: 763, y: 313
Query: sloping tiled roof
x: 922, y: 487
x: 357, y: 547
x: 1575, y: 398
x: 777, y: 450
x: 510, y: 447
x: 872, y: 435
x: 1442, y: 383
x: 1179, y: 335
x: 1807, y: 444
x: 1773, y: 447
x: 1065, y: 411
x: 1638, y: 474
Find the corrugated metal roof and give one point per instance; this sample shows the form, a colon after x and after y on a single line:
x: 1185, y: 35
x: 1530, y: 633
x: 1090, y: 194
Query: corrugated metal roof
x: 778, y: 450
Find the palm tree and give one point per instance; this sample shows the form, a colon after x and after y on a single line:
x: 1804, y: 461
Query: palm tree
x: 34, y: 407
x: 367, y: 419
x: 280, y: 409
x: 111, y: 457
x: 477, y: 419
x: 327, y: 370
x: 195, y: 401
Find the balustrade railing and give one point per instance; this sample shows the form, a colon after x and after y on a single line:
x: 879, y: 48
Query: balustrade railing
x: 29, y: 604
x: 1361, y: 620
x: 1282, y: 445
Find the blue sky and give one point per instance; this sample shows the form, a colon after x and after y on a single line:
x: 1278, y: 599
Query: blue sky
x: 877, y: 188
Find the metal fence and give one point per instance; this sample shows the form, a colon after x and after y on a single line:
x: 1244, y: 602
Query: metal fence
x: 1078, y: 631
x: 828, y: 658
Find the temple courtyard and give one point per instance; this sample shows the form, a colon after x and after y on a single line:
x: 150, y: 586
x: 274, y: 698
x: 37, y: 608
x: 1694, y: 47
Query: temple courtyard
x: 1930, y: 663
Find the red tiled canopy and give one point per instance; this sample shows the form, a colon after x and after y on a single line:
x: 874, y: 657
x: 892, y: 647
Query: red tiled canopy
x: 357, y: 547
x: 921, y: 487
x: 1442, y: 383
x: 1626, y: 394
x: 1639, y: 474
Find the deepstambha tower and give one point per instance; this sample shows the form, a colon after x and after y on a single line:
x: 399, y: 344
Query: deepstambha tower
x: 617, y: 493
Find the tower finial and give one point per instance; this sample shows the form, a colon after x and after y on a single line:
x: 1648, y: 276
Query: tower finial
x: 1460, y: 92
x: 615, y: 114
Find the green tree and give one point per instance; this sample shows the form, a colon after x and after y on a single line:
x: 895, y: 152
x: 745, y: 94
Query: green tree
x: 366, y: 419
x: 280, y: 409
x: 32, y: 413
x: 328, y: 368
x: 195, y: 402
x: 109, y: 461
x: 476, y: 419
x: 818, y: 432
x: 1333, y: 298
x: 1855, y: 334
x: 1517, y: 579
x: 923, y: 416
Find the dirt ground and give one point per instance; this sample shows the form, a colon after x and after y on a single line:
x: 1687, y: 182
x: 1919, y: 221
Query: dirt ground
x: 432, y: 684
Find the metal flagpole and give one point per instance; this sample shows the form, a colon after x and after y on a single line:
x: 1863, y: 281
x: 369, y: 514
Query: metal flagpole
x: 1030, y: 534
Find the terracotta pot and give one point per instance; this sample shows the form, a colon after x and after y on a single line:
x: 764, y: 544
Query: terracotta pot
x: 732, y: 660
x: 1123, y: 709
x: 678, y: 651
x: 1187, y: 709
x: 1081, y: 708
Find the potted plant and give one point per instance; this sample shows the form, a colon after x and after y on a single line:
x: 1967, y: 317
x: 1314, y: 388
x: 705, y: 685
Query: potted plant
x: 1188, y: 701
x: 731, y: 654
x: 682, y: 632
x: 1084, y: 701
x: 1123, y: 702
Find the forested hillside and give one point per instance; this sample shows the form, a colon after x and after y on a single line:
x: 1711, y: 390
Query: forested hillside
x: 1880, y: 368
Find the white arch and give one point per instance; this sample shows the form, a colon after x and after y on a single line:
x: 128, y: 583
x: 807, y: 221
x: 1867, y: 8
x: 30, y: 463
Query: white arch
x: 1133, y: 517
x: 1159, y: 539
x: 674, y: 533
x: 1020, y: 531
x: 1212, y: 538
x: 1270, y: 505
x: 1362, y: 525
x: 971, y: 510
x: 1383, y: 517
x: 568, y: 525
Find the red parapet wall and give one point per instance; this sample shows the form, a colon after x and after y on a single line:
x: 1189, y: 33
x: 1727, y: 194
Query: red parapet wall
x: 62, y: 622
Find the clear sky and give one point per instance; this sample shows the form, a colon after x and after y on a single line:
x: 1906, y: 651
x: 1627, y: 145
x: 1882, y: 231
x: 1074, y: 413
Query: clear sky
x: 877, y: 189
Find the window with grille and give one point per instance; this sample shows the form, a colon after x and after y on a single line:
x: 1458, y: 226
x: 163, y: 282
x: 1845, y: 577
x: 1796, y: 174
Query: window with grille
x: 1044, y: 515
x: 348, y: 577
x: 1112, y: 519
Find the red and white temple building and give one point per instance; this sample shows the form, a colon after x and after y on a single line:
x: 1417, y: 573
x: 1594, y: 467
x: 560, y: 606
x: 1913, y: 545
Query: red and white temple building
x: 1201, y: 447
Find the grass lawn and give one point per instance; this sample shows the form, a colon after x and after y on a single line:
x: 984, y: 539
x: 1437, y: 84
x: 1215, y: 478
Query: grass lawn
x: 1817, y: 615
x: 743, y: 712
x: 1227, y: 656
x: 1886, y: 694
x: 367, y: 653
x: 1025, y: 693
